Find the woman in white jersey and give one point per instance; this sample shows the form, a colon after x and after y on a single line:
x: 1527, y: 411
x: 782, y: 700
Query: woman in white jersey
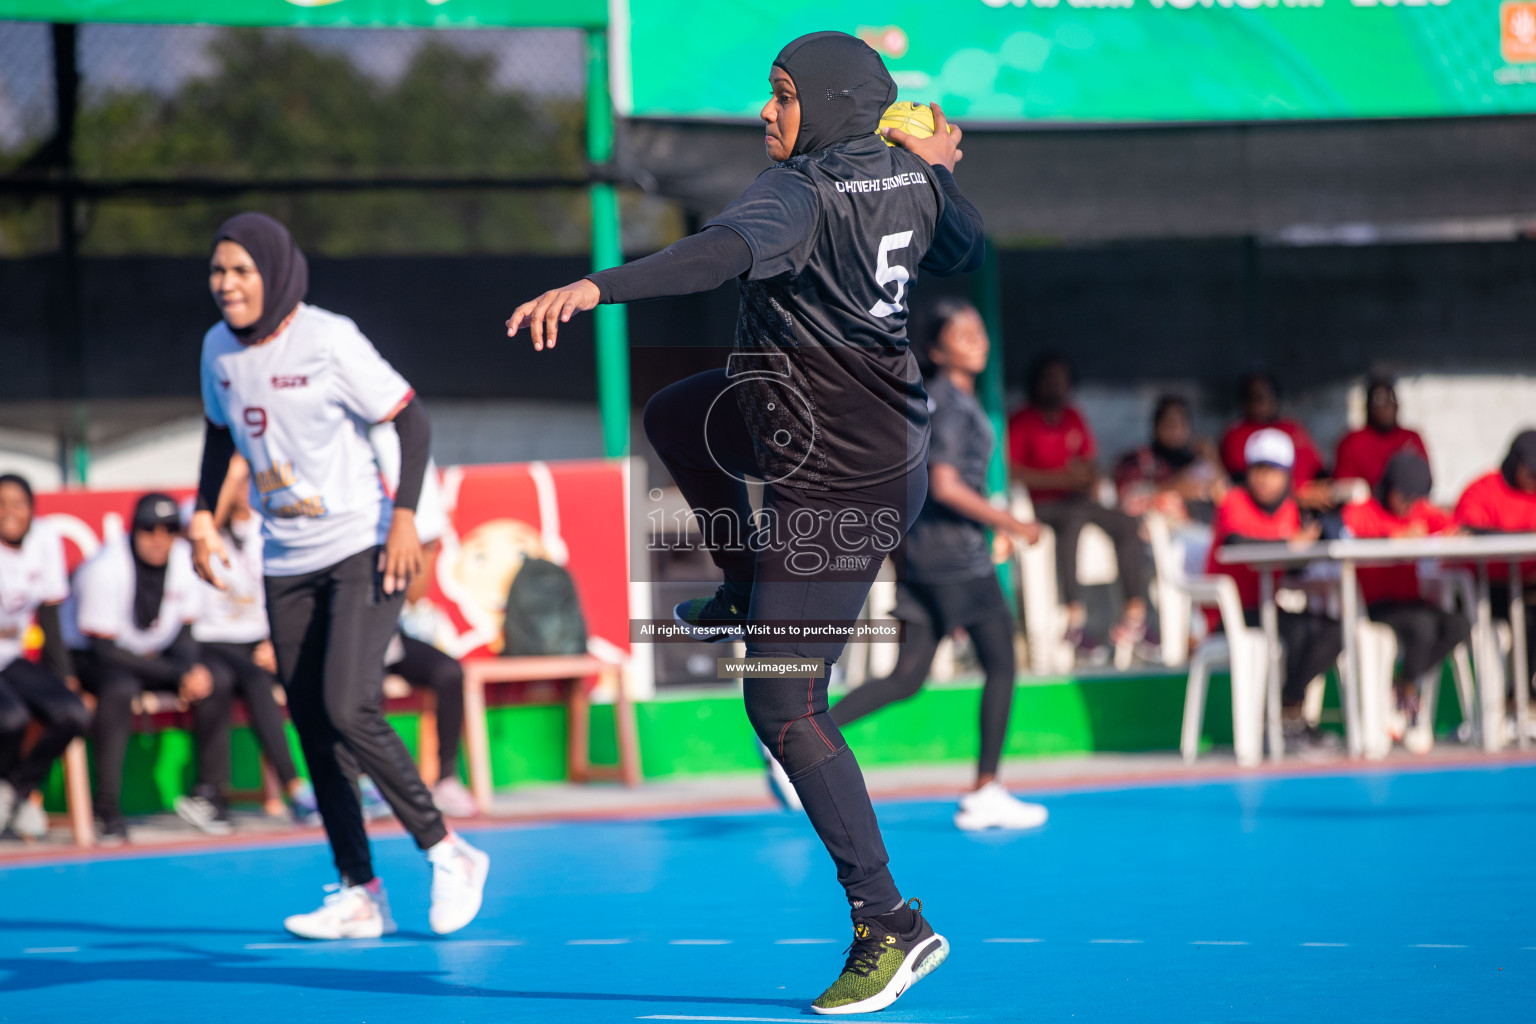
x: 295, y: 390
x: 132, y: 607
x: 232, y: 631
x: 32, y: 585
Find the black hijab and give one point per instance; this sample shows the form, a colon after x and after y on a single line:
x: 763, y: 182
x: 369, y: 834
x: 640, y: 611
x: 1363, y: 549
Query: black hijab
x: 1522, y: 452
x: 843, y: 86
x: 1408, y: 474
x: 283, y: 269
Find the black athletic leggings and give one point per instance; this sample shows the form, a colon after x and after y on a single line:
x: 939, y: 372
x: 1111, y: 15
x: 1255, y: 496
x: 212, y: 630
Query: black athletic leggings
x: 29, y: 691
x: 1426, y: 635
x: 930, y: 613
x: 1312, y: 643
x: 115, y: 688
x: 1067, y: 516
x: 231, y: 664
x: 827, y: 554
x: 331, y: 628
x: 424, y: 666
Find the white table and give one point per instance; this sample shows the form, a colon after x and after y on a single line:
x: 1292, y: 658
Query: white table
x: 1482, y: 550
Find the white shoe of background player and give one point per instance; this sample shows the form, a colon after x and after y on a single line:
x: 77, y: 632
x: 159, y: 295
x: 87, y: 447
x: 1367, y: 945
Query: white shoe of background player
x: 349, y: 912
x: 458, y: 883
x: 992, y: 806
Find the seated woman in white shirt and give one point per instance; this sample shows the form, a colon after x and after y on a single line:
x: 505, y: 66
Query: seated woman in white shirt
x: 232, y: 632
x: 32, y: 585
x: 133, y: 606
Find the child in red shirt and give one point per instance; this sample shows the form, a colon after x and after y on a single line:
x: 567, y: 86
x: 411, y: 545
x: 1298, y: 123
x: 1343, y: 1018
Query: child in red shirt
x: 1051, y: 452
x: 1363, y: 453
x: 1399, y: 507
x: 1261, y: 410
x: 1262, y: 509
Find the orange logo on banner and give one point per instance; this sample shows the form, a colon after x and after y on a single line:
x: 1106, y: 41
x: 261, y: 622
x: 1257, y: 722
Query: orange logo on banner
x: 1517, y: 32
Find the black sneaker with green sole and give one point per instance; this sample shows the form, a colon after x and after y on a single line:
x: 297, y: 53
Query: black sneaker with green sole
x: 717, y: 619
x: 882, y: 965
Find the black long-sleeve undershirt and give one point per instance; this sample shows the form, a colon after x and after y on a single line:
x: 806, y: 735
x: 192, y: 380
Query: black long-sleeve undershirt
x: 705, y: 261
x: 959, y: 244
x: 166, y: 667
x: 55, y: 651
x: 698, y: 263
x: 415, y: 432
x: 218, y: 450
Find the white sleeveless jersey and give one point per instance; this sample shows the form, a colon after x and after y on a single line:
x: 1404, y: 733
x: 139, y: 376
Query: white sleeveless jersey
x: 299, y: 408
x: 31, y: 575
x: 238, y: 613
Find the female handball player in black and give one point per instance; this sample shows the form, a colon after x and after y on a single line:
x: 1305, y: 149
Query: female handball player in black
x: 295, y: 389
x: 823, y: 402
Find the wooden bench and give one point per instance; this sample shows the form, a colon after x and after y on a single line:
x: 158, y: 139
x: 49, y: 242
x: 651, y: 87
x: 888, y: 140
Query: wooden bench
x: 578, y: 674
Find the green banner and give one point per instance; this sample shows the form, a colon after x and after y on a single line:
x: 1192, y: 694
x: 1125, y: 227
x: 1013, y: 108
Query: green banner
x: 340, y: 13
x: 1109, y: 61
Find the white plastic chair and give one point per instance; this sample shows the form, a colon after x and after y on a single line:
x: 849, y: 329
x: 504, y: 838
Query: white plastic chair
x: 1240, y: 648
x: 1447, y: 588
x: 1174, y: 612
x: 1045, y: 617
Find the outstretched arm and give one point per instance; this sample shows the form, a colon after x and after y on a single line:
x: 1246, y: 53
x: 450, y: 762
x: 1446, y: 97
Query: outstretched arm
x: 697, y: 263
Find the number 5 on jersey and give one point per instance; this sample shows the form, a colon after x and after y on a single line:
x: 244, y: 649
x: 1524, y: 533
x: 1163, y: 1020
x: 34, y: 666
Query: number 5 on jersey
x: 886, y: 272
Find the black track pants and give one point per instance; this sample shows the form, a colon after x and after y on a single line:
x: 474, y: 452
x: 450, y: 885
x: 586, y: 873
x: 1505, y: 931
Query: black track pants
x: 426, y: 667
x: 29, y: 691
x: 930, y: 613
x: 331, y: 629
x: 1425, y: 635
x: 817, y: 567
x: 115, y: 688
x: 232, y: 664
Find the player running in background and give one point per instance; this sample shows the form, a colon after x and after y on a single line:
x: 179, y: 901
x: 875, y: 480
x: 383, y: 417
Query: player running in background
x: 295, y: 389
x: 951, y: 582
x: 824, y: 403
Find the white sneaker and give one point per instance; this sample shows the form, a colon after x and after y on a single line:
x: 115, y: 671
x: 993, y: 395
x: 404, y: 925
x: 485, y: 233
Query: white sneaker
x: 778, y: 781
x: 29, y: 821
x: 992, y: 806
x: 454, y: 799
x: 458, y: 883
x: 349, y: 912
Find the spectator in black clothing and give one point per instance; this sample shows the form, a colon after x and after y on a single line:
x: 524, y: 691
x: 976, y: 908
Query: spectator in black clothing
x: 32, y: 584
x: 134, y: 603
x: 1051, y: 451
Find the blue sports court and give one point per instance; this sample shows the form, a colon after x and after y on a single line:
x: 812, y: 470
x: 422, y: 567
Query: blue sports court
x: 1382, y: 896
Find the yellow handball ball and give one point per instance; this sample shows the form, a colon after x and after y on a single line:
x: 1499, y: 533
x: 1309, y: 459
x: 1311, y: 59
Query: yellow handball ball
x: 916, y: 119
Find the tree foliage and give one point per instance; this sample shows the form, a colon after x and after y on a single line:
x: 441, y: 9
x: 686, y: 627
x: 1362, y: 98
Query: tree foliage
x: 273, y: 107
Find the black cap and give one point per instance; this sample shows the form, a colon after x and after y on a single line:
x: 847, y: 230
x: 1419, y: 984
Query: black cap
x: 154, y: 510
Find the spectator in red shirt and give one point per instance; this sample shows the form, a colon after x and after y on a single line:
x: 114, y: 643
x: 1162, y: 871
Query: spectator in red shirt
x: 1399, y: 507
x: 1051, y: 451
x: 1261, y: 510
x: 1363, y: 453
x: 1504, y: 501
x: 1260, y: 396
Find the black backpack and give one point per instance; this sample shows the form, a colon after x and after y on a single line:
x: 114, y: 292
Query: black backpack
x: 543, y: 613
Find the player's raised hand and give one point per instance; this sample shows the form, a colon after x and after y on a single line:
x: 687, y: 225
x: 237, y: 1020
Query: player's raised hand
x: 941, y: 149
x: 545, y: 314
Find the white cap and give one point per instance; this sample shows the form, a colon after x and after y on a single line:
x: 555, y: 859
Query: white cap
x: 1269, y: 447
